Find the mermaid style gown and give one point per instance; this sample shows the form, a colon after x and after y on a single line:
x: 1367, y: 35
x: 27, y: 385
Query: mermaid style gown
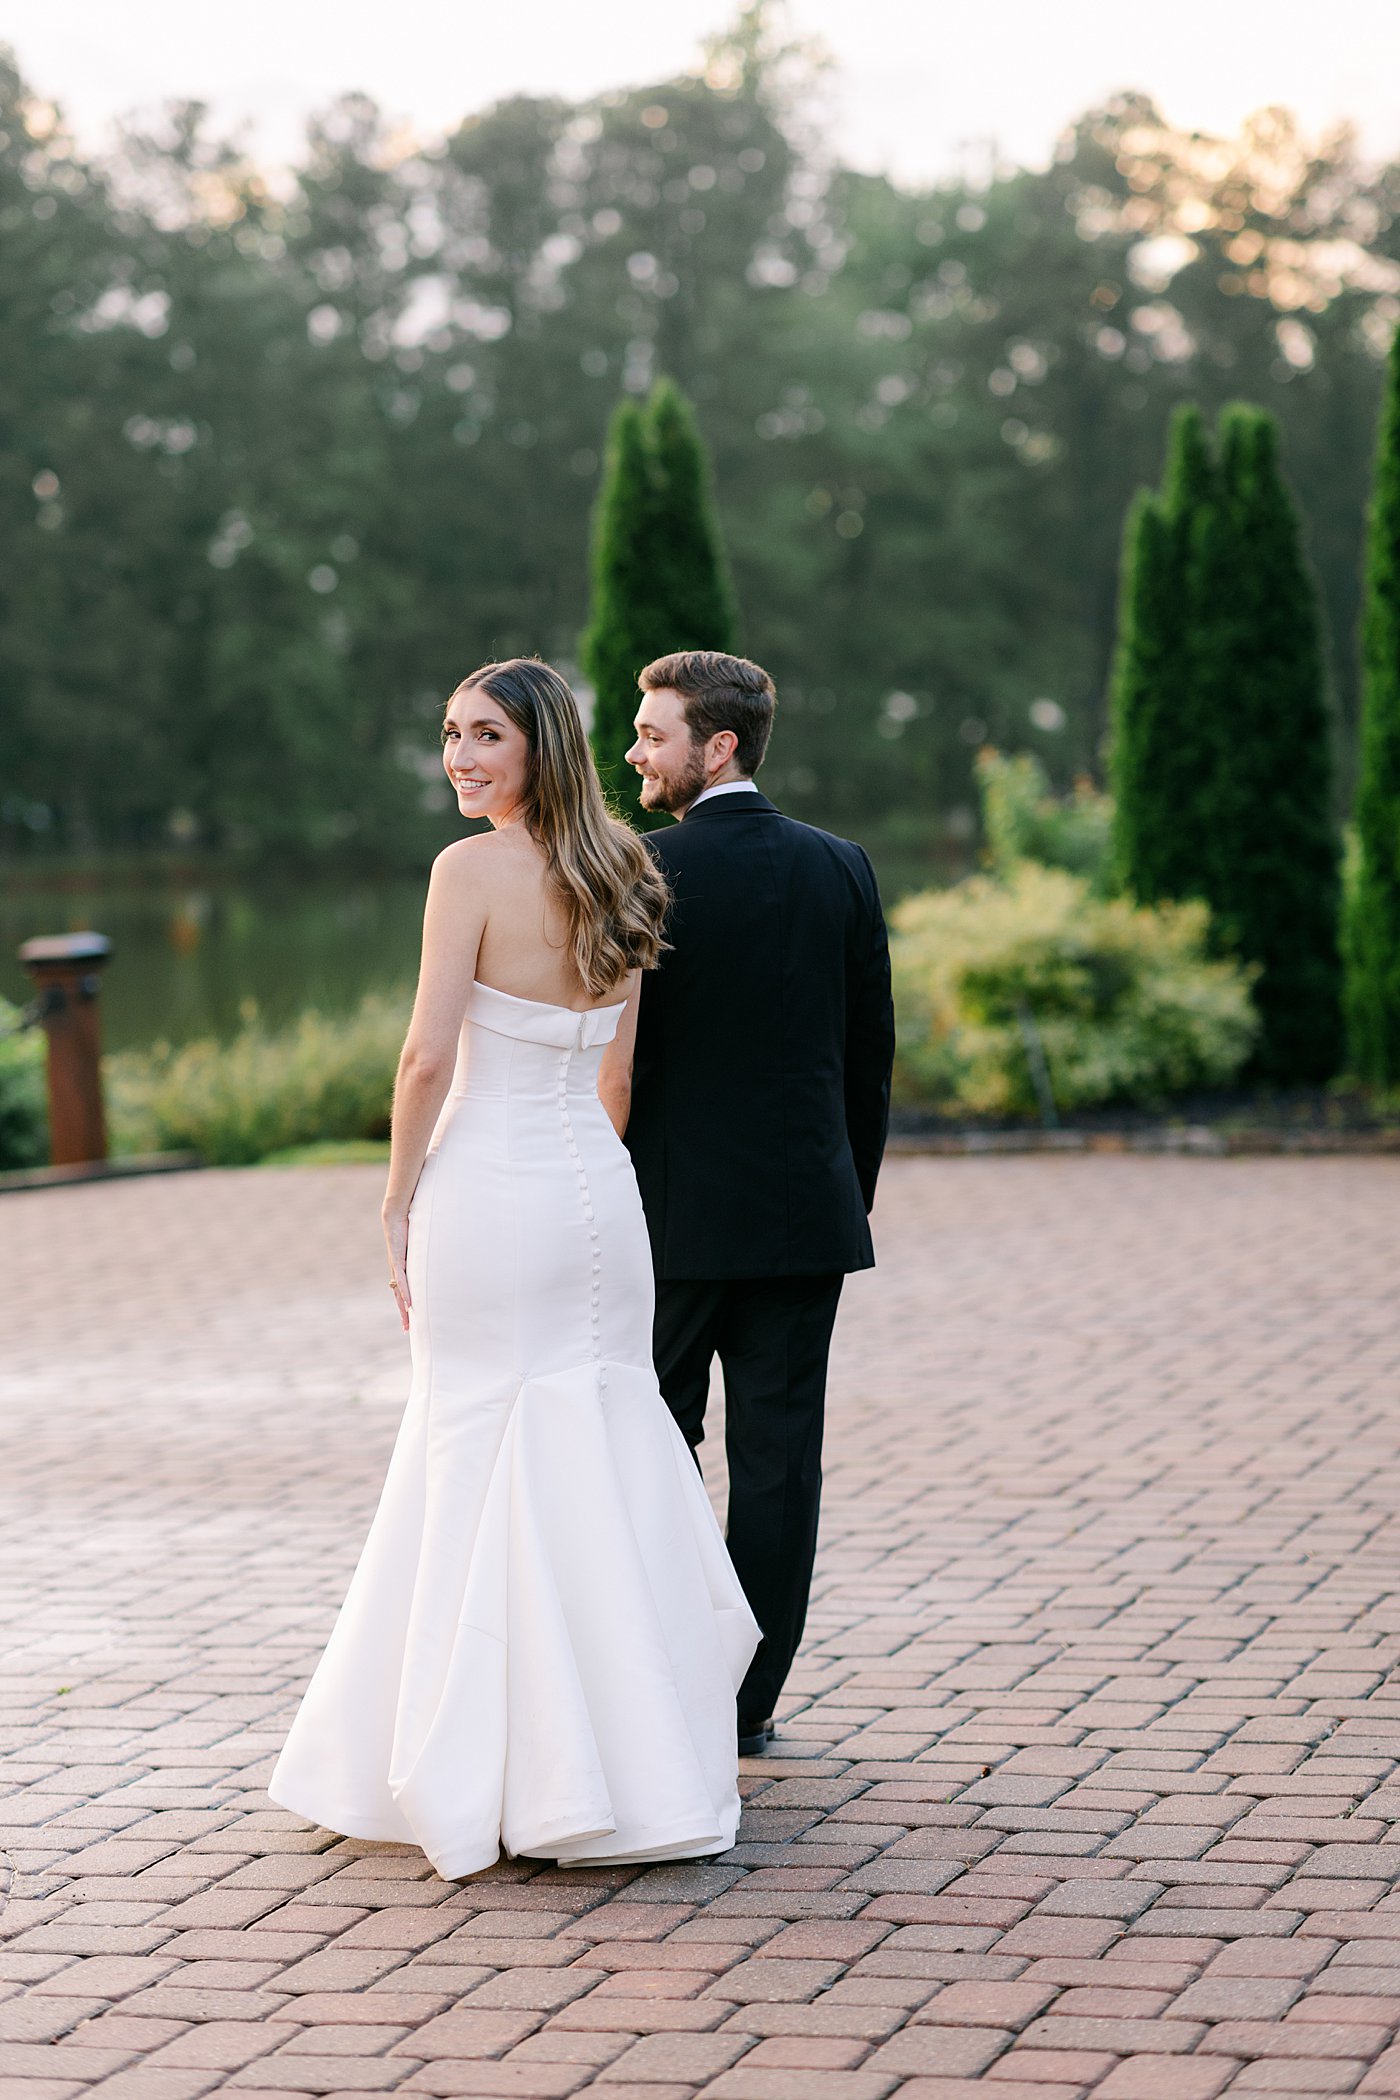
x: 541, y: 1645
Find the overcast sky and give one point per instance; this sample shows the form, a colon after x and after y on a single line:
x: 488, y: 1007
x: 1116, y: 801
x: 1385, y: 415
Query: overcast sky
x: 916, y: 81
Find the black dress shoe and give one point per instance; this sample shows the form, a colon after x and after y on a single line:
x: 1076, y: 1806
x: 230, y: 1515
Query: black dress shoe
x: 755, y: 1736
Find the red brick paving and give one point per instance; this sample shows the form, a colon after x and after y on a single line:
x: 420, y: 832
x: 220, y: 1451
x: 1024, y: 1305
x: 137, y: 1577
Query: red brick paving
x: 1086, y: 1780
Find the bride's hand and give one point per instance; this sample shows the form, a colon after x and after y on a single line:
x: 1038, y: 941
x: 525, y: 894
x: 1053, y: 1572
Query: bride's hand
x: 396, y: 1241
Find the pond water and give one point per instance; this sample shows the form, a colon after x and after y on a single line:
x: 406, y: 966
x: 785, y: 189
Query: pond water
x: 190, y: 958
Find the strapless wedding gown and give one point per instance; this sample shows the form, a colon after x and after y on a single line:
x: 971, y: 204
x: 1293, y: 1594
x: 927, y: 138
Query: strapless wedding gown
x: 541, y: 1645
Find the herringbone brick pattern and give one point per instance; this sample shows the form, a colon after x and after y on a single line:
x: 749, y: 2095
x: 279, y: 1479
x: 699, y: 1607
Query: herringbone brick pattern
x: 1086, y: 1777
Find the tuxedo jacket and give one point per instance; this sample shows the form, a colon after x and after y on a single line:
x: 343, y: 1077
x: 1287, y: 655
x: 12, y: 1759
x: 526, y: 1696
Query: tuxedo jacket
x: 761, y: 1080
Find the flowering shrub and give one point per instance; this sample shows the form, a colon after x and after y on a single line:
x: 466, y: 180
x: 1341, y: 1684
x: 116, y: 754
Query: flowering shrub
x: 1126, y: 1003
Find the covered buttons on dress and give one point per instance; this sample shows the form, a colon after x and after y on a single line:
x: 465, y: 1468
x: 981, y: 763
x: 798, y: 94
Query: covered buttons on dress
x: 595, y: 1293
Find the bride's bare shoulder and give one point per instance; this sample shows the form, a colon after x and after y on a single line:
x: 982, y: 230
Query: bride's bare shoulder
x: 492, y: 858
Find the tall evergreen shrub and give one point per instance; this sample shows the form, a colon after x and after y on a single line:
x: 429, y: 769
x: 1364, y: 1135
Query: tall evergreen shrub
x: 1276, y: 886
x: 1161, y: 747
x: 1221, y: 760
x: 1373, y: 917
x: 660, y: 580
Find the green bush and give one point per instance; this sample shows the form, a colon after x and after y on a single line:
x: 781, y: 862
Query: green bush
x: 1128, y: 1005
x: 263, y: 1091
x: 24, y: 1124
x: 1023, y: 820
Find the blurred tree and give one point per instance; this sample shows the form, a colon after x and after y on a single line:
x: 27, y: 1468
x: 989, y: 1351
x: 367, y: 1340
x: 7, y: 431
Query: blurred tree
x: 1373, y: 918
x: 1274, y: 870
x: 1164, y: 759
x: 61, y: 261
x: 691, y: 574
x: 318, y: 452
x: 659, y: 576
x: 620, y: 636
x: 1221, y: 759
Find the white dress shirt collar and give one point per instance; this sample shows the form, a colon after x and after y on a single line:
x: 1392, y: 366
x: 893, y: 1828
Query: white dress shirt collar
x: 725, y: 787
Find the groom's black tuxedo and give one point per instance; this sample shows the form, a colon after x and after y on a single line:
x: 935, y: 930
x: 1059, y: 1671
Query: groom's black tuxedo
x: 760, y: 1100
x: 760, y: 1091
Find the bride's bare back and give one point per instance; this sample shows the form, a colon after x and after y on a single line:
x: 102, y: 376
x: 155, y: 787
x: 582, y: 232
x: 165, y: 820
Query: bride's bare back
x: 524, y: 945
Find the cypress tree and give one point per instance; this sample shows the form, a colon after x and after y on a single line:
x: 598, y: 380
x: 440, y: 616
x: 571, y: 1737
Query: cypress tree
x: 1274, y: 884
x: 1214, y: 622
x: 613, y: 649
x: 1158, y: 751
x: 1221, y: 761
x: 1373, y: 917
x: 660, y: 581
x: 692, y: 573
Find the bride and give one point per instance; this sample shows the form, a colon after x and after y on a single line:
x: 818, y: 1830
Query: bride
x: 541, y: 1645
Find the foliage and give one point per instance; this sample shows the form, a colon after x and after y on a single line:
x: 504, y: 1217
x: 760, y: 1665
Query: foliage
x: 1373, y: 916
x: 692, y: 576
x: 1127, y: 1001
x: 619, y: 639
x: 659, y: 576
x: 1277, y: 893
x: 24, y: 1122
x: 1221, y: 757
x: 1166, y: 748
x: 262, y: 1092
x: 279, y: 463
x: 1023, y: 820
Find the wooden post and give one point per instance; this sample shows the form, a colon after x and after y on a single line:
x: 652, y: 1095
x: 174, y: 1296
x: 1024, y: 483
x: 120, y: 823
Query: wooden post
x: 66, y: 970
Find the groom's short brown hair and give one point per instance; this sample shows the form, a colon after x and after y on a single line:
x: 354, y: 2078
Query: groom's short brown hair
x: 719, y: 692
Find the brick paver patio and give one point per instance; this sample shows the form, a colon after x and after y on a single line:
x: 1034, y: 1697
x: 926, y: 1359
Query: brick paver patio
x: 1086, y: 1779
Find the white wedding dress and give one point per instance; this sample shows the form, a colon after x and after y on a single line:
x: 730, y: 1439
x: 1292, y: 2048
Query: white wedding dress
x: 541, y: 1645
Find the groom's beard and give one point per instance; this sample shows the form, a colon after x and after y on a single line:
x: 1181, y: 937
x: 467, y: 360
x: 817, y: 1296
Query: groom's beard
x: 675, y: 792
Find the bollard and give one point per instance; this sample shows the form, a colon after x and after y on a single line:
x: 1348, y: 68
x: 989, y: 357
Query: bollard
x: 66, y: 970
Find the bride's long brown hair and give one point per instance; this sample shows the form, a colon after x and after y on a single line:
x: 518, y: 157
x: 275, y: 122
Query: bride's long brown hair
x: 613, y: 894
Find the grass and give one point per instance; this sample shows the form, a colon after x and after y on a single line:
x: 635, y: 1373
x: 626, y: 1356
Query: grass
x: 331, y: 1152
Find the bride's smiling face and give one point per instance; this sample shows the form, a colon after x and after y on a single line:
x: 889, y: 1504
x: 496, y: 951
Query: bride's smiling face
x: 486, y: 757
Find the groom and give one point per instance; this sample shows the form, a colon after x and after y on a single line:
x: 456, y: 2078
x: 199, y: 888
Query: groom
x: 760, y: 1099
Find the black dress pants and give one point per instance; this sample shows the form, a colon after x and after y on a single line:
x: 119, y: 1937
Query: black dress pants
x: 772, y: 1336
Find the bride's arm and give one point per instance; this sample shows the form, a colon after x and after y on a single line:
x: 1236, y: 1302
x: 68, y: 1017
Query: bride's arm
x: 615, y: 1072
x: 453, y: 920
